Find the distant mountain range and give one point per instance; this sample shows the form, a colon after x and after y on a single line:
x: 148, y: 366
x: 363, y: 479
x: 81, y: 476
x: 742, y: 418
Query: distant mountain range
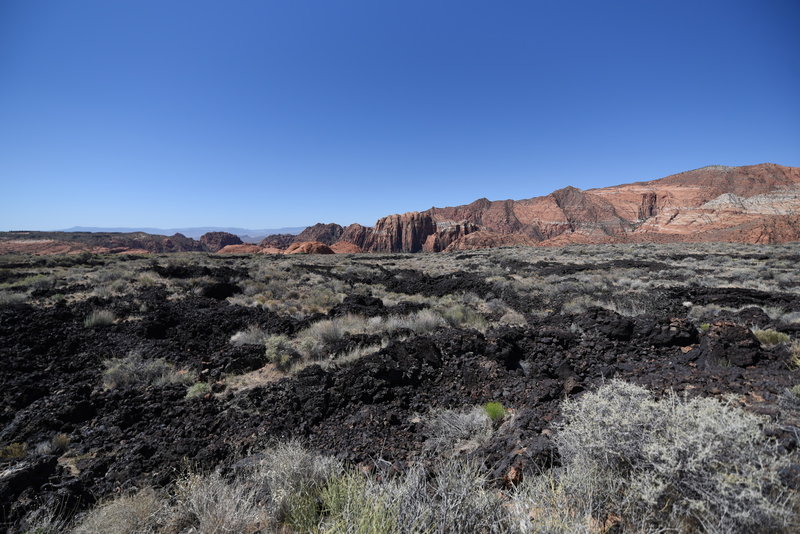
x: 245, y: 234
x: 748, y: 204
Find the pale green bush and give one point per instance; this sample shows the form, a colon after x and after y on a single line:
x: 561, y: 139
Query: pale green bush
x: 682, y: 464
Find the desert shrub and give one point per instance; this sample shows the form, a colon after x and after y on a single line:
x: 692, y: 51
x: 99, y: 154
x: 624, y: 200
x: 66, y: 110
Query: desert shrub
x: 198, y: 389
x: 462, y: 316
x: 494, y: 410
x: 547, y: 504
x: 8, y: 298
x: 14, y: 450
x: 458, y: 430
x: 352, y: 503
x: 279, y: 351
x: 252, y: 335
x: 99, y: 318
x: 47, y: 519
x: 210, y: 504
x: 794, y: 354
x: 289, y: 477
x: 140, y: 513
x: 135, y: 371
x: 58, y: 444
x: 457, y: 499
x: 770, y: 337
x: 681, y: 464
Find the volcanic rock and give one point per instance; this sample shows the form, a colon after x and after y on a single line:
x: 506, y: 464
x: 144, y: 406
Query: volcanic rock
x: 309, y: 247
x: 214, y: 241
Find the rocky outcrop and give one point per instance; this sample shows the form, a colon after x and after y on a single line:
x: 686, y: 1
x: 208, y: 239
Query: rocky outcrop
x: 309, y: 247
x: 214, y: 241
x: 356, y: 234
x: 448, y: 233
x: 321, y: 233
x: 344, y: 247
x: 400, y: 233
x: 241, y: 249
x: 489, y: 239
x: 279, y: 241
x: 43, y: 243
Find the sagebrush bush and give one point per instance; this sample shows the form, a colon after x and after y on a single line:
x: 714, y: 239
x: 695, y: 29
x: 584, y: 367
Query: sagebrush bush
x: 682, y: 464
x: 252, y: 335
x: 458, y: 430
x: 279, y: 351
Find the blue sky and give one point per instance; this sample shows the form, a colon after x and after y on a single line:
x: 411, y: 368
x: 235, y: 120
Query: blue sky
x: 264, y: 113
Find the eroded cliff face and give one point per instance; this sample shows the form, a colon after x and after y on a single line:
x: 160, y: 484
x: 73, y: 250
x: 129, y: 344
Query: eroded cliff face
x: 321, y: 233
x: 215, y: 241
x: 400, y: 233
x: 448, y: 233
x: 752, y: 204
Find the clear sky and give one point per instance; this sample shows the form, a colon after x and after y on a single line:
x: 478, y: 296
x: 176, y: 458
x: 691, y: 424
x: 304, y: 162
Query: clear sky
x: 284, y: 113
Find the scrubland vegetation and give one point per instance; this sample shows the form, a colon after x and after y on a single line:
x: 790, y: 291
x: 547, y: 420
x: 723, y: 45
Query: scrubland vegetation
x: 628, y: 461
x: 596, y: 389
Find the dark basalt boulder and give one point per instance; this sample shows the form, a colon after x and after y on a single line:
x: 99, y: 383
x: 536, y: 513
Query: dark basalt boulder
x: 727, y: 344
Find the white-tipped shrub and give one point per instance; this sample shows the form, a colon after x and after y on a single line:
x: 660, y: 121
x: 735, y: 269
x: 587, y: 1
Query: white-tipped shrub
x: 452, y: 431
x: 252, y: 335
x: 681, y: 464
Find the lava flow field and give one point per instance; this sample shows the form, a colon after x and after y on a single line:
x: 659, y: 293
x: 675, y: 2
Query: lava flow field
x: 121, y: 372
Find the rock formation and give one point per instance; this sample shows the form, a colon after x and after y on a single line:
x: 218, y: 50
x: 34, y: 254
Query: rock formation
x: 214, y: 241
x: 448, y: 233
x: 752, y: 204
x: 279, y: 241
x: 400, y: 233
x: 321, y: 233
x: 309, y: 247
x: 489, y: 239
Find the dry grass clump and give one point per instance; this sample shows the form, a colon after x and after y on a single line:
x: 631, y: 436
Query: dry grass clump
x: 770, y: 337
x: 135, y: 371
x: 141, y: 513
x: 99, y: 318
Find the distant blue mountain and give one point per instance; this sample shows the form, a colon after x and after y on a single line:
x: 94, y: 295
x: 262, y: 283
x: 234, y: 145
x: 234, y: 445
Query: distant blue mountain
x: 245, y: 234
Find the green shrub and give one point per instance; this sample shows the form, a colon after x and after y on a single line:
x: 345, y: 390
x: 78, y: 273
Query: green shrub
x: 680, y: 464
x: 770, y: 337
x: 200, y: 389
x: 279, y: 351
x: 494, y: 410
